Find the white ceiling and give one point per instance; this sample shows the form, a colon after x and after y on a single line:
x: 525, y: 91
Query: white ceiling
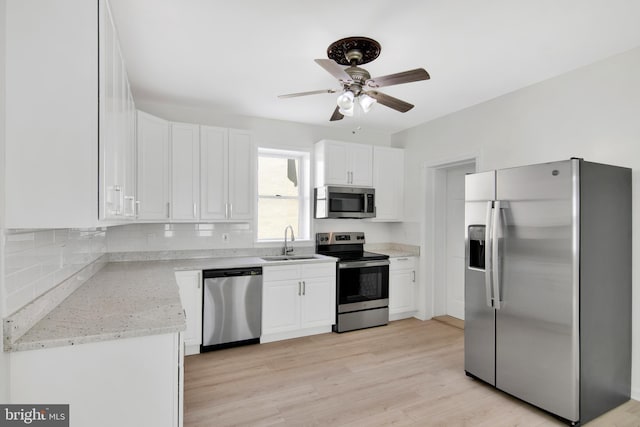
x: 237, y: 56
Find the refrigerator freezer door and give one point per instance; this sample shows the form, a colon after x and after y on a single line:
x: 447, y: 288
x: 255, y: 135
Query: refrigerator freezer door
x: 537, y: 357
x: 479, y: 324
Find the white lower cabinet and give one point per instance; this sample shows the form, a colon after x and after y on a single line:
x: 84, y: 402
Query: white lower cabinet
x: 190, y: 287
x: 402, y: 287
x: 128, y: 382
x: 298, y: 300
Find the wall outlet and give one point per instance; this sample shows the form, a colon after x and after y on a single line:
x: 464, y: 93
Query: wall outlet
x: 225, y: 237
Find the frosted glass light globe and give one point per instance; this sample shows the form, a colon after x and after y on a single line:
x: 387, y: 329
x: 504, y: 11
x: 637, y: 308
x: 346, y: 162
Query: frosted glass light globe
x: 345, y: 100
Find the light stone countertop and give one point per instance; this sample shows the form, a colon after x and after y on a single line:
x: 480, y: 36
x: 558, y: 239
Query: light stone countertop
x: 394, y: 250
x: 127, y: 299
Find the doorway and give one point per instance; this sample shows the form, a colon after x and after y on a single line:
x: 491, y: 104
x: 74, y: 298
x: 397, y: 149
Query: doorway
x: 448, y: 237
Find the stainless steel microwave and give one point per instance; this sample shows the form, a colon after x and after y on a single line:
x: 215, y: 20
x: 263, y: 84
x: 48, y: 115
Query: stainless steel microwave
x: 344, y: 202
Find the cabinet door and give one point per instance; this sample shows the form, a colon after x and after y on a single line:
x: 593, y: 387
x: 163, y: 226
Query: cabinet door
x: 153, y: 167
x: 185, y: 171
x: 50, y: 103
x: 190, y: 287
x: 318, y: 302
x: 360, y: 165
x: 335, y: 163
x: 213, y: 167
x: 281, y: 306
x: 241, y: 192
x: 130, y: 159
x: 388, y: 180
x: 109, y: 200
x: 402, y: 276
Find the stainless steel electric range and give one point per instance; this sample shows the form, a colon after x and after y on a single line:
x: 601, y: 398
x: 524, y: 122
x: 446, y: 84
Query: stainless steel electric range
x: 362, y: 280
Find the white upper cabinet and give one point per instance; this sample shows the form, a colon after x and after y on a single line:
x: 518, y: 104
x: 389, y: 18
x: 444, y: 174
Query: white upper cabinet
x: 227, y: 170
x: 185, y: 172
x: 66, y: 95
x: 117, y: 189
x: 343, y: 163
x: 213, y: 172
x: 153, y: 168
x: 388, y: 180
x: 51, y: 104
x: 242, y: 168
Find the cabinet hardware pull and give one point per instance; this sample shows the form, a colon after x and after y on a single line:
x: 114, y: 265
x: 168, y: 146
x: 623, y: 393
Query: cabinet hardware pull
x: 230, y: 210
x: 132, y: 207
x: 413, y: 273
x: 402, y: 259
x: 118, y: 190
x: 299, y: 289
x: 168, y: 210
x: 226, y: 211
x: 304, y: 287
x: 195, y: 211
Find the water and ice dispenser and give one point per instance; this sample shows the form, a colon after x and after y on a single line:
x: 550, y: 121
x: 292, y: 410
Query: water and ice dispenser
x: 476, y: 246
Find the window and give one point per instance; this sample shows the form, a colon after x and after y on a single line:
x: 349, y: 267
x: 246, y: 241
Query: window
x: 283, y: 194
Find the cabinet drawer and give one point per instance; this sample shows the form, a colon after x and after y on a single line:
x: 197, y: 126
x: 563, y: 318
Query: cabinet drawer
x: 280, y: 272
x: 402, y: 263
x: 318, y: 269
x: 298, y: 271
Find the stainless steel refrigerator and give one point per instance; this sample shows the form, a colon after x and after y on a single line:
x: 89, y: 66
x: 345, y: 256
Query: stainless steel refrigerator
x: 548, y: 285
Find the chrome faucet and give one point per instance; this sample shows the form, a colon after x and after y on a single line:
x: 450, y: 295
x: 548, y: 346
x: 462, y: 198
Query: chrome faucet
x: 286, y: 250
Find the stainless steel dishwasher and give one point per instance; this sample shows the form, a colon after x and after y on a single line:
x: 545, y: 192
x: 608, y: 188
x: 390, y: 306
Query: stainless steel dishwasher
x: 232, y: 307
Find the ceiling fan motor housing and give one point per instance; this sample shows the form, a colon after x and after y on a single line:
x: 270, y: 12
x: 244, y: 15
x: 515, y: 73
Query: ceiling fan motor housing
x: 359, y: 77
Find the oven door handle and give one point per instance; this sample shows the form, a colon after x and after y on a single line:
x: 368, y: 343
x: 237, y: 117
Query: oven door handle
x: 360, y: 264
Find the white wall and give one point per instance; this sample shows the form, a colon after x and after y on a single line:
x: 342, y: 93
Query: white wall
x: 592, y: 112
x: 4, y: 357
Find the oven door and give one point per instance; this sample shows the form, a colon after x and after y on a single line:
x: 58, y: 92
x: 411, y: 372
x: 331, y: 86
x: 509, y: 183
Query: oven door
x: 362, y: 285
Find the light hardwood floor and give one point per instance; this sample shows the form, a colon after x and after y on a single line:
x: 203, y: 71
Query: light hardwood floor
x: 409, y: 373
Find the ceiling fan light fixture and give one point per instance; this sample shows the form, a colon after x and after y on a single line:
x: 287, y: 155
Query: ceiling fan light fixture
x: 347, y: 111
x: 346, y: 100
x: 366, y: 102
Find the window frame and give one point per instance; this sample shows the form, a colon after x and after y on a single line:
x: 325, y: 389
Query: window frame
x: 304, y: 194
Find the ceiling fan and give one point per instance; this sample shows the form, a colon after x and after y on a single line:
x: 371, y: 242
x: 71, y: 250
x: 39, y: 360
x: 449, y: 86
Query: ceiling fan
x: 357, y: 84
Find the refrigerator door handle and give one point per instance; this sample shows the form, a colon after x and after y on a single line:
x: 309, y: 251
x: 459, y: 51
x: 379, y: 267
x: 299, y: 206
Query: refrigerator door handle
x: 487, y: 254
x: 495, y: 258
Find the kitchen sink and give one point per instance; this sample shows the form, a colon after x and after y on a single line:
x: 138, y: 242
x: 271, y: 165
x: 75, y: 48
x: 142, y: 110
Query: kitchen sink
x: 287, y: 257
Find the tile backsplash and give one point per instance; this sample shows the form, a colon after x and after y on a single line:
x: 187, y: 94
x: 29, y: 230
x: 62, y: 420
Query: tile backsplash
x: 176, y: 237
x: 37, y: 260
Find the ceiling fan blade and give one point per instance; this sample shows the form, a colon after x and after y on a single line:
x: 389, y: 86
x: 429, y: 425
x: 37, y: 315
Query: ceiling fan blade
x: 337, y: 115
x: 313, y: 92
x: 390, y: 101
x: 399, y: 78
x: 334, y: 69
